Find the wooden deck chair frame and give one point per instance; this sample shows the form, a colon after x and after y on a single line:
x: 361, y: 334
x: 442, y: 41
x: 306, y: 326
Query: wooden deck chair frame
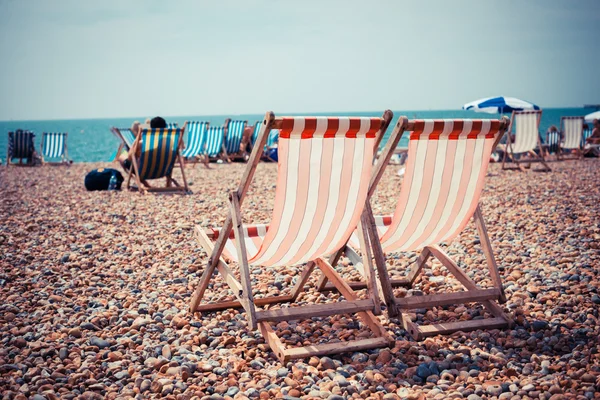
x: 64, y: 157
x: 532, y: 156
x: 240, y: 155
x: 172, y: 186
x: 398, y: 307
x: 31, y: 161
x: 561, y: 150
x: 366, y: 309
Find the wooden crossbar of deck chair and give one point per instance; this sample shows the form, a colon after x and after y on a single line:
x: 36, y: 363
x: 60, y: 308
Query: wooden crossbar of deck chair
x: 323, y: 177
x: 54, y: 145
x: 522, y: 150
x: 572, y: 130
x: 153, y: 155
x: 445, y: 172
x: 234, y: 132
x: 21, y: 145
x: 196, y: 142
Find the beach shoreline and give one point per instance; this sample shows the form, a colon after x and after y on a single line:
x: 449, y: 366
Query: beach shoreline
x: 96, y: 287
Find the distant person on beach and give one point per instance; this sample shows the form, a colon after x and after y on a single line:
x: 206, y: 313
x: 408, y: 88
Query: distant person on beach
x: 136, y: 127
x: 595, y: 138
x: 592, y: 143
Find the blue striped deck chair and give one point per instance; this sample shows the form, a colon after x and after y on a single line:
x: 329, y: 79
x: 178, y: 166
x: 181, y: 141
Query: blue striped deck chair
x: 257, y: 125
x: 21, y: 146
x: 196, y: 140
x: 54, y: 145
x: 126, y: 139
x: 587, y: 132
x: 153, y: 156
x: 552, y: 142
x: 171, y: 125
x: 215, y: 136
x: 272, y: 143
x: 234, y: 132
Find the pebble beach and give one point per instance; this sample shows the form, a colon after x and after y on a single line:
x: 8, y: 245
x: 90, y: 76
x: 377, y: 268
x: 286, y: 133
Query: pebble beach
x: 96, y: 286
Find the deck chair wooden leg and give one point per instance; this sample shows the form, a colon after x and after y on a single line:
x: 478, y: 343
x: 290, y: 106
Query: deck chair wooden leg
x: 486, y: 246
x: 181, y: 165
x: 369, y: 274
x: 246, y: 295
x: 299, y: 287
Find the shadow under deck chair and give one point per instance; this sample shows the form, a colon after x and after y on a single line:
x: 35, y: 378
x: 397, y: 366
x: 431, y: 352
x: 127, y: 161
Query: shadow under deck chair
x: 159, y: 150
x: 21, y: 146
x: 445, y: 172
x: 572, y: 129
x: 324, y: 169
x: 234, y: 133
x: 526, y: 141
x: 54, y: 145
x: 196, y: 142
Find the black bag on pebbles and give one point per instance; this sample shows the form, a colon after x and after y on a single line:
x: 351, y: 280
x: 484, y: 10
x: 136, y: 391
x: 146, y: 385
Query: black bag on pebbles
x: 99, y: 179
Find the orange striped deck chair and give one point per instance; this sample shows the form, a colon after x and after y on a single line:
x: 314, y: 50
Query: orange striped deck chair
x: 445, y: 173
x: 324, y: 168
x: 522, y: 147
x: 153, y: 155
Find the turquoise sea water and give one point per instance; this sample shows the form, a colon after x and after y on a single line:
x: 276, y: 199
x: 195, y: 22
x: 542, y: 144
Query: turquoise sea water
x: 90, y: 140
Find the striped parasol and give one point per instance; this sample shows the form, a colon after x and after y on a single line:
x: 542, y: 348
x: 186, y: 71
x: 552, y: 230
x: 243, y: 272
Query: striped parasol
x: 499, y: 105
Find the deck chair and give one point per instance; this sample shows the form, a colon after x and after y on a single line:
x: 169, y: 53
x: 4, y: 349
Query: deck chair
x: 172, y: 125
x: 255, y: 131
x: 126, y: 139
x: 572, y: 129
x: 196, y: 142
x: 158, y: 150
x: 552, y: 143
x: 526, y: 141
x: 214, y: 149
x: 323, y: 177
x: 445, y: 172
x: 54, y: 145
x: 587, y: 132
x: 21, y: 146
x: 234, y: 132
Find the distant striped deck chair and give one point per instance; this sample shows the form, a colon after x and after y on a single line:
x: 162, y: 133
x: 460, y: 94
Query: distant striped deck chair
x: 54, y: 145
x: 255, y: 132
x: 215, y: 137
x: 587, y: 132
x: 572, y: 129
x: 323, y: 176
x: 522, y: 150
x: 196, y: 141
x: 126, y: 139
x: 153, y: 156
x: 21, y: 146
x: 172, y: 125
x: 445, y: 173
x: 552, y: 143
x: 234, y: 133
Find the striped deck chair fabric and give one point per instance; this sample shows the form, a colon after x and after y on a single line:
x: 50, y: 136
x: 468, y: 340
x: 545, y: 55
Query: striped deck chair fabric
x: 324, y: 169
x: 235, y: 133
x: 552, y: 142
x: 445, y: 173
x: 573, y: 131
x: 257, y: 125
x: 196, y: 138
x: 586, y: 134
x: 214, y: 141
x: 158, y: 152
x: 53, y: 145
x: 172, y: 125
x: 526, y: 131
x: 20, y: 144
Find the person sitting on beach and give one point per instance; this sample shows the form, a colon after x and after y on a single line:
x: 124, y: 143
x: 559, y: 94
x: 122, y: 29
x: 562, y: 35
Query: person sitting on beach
x: 592, y: 143
x: 595, y: 137
x: 136, y: 127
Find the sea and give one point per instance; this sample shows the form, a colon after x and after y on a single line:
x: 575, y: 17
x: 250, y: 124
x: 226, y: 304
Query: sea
x: 90, y: 140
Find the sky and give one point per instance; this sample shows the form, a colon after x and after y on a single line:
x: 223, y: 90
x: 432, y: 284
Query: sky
x: 66, y: 59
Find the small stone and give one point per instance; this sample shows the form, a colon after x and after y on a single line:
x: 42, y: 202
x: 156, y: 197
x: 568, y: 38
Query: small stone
x: 156, y: 387
x: 179, y: 322
x: 384, y: 357
x: 145, y: 385
x: 98, y: 342
x: 75, y: 332
x: 327, y: 363
x: 539, y: 325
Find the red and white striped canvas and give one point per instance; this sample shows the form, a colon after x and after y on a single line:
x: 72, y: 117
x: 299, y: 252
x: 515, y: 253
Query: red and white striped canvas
x: 323, y: 176
x: 572, y: 130
x: 445, y: 172
x: 526, y: 131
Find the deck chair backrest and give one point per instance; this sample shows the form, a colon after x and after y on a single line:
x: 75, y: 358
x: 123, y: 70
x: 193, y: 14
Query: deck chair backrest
x: 172, y: 125
x: 273, y: 138
x: 256, y: 131
x: 233, y: 138
x: 572, y: 128
x: 53, y: 144
x: 526, y: 127
x: 552, y: 141
x: 586, y: 134
x: 445, y: 172
x: 196, y: 138
x: 214, y: 140
x: 323, y: 176
x: 159, y: 149
x: 20, y: 144
x: 126, y: 135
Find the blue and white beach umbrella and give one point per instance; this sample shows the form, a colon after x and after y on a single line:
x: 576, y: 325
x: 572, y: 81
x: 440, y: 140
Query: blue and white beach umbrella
x: 499, y: 105
x: 591, y: 117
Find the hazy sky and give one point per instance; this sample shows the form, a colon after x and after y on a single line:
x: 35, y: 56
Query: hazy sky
x: 114, y: 58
